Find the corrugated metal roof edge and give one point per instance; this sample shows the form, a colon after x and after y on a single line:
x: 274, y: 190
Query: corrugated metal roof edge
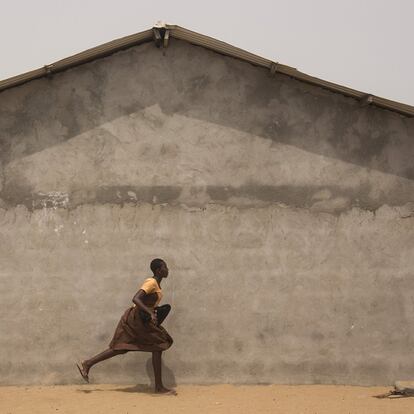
x: 209, y: 43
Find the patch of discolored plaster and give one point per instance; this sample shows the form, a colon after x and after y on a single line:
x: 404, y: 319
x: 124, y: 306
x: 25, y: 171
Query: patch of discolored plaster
x: 333, y: 205
x: 409, y: 173
x: 142, y: 194
x: 360, y: 134
x: 328, y: 199
x: 39, y: 120
x: 17, y: 191
x: 406, y: 210
x: 333, y: 199
x: 52, y: 199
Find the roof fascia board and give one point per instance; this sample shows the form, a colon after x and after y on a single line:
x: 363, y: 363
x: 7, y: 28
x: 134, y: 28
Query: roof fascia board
x: 79, y: 59
x: 229, y: 50
x: 206, y: 42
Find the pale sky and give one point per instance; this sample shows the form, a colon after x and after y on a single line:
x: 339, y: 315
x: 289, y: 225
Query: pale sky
x: 363, y: 44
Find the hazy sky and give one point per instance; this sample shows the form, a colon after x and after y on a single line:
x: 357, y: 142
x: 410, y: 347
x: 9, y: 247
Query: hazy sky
x: 364, y: 44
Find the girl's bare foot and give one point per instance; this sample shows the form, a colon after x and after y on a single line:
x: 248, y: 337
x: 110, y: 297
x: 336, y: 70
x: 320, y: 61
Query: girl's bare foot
x: 163, y: 390
x: 83, y: 370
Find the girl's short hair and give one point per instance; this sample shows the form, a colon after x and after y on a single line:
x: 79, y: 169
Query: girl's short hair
x: 156, y: 264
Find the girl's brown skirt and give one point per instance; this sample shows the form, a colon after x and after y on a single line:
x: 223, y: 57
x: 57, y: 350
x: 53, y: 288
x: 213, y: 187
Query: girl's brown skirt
x: 132, y: 334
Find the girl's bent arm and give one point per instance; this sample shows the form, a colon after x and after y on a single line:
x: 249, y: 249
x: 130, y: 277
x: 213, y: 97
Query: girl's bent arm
x: 137, y: 299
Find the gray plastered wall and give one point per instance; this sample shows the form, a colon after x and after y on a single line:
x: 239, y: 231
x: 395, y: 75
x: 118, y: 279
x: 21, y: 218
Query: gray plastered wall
x: 285, y: 213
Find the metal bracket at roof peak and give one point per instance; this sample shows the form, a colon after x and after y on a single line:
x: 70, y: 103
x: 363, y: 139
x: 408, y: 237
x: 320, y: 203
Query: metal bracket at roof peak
x: 166, y: 38
x: 161, y: 36
x: 157, y: 36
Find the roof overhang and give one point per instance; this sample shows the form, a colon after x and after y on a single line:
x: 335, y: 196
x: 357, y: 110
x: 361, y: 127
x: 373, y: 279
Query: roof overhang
x: 161, y: 33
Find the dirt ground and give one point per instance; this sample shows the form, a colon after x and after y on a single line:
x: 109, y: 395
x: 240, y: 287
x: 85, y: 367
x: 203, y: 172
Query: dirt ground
x: 229, y: 399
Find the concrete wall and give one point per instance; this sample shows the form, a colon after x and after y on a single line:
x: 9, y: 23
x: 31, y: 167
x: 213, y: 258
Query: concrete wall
x: 285, y: 213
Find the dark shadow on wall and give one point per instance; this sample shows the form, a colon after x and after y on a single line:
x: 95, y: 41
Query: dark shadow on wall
x: 197, y: 83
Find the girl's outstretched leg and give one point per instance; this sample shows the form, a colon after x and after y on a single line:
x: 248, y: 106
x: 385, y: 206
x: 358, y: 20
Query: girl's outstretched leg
x: 86, y: 365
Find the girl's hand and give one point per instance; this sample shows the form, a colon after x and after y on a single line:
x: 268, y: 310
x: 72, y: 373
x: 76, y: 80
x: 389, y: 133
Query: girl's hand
x: 154, y: 318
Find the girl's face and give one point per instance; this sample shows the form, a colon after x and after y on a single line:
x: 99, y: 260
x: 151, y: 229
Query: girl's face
x: 163, y: 270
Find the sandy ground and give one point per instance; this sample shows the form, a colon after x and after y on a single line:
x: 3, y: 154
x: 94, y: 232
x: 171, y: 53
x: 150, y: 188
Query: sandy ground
x: 124, y: 399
